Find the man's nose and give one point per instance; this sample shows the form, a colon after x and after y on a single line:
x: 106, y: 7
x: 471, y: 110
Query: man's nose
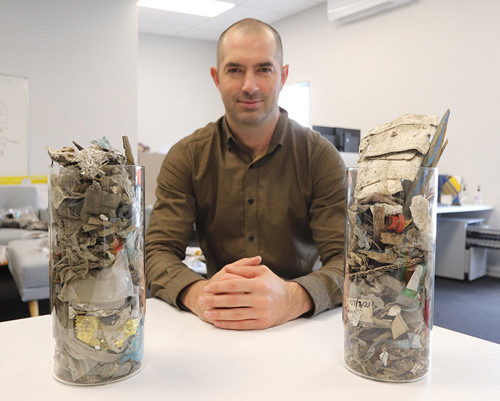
x: 250, y: 83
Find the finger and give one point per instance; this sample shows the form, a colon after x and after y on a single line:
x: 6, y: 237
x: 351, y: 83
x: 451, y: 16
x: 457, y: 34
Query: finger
x: 249, y: 324
x: 253, y: 261
x: 234, y: 300
x: 229, y: 314
x: 239, y: 285
x: 246, y: 271
x: 222, y: 275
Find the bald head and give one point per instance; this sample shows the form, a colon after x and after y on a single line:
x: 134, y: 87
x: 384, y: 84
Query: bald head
x: 250, y: 26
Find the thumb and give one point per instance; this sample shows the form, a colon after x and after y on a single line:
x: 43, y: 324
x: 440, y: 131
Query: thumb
x: 253, y: 261
x: 244, y: 267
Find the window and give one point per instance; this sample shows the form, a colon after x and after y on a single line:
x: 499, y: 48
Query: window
x: 295, y: 99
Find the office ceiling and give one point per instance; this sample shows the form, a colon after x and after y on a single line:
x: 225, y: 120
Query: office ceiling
x: 194, y: 27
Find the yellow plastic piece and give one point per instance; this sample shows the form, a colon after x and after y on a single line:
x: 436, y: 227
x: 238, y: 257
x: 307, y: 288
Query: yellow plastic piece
x: 89, y: 331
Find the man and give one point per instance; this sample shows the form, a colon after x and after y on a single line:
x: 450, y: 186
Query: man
x: 266, y: 194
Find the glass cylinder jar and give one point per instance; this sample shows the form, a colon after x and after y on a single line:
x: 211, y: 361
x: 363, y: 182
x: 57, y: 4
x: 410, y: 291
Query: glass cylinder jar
x: 389, y: 273
x: 97, y: 273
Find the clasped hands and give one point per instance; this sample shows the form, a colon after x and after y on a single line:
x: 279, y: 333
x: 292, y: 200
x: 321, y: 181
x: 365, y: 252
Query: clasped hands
x: 246, y: 295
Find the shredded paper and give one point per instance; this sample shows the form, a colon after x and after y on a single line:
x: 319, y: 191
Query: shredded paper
x: 97, y: 264
x: 390, y: 250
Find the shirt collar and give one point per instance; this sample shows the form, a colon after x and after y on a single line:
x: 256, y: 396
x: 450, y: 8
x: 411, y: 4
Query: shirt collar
x: 280, y: 130
x: 227, y: 134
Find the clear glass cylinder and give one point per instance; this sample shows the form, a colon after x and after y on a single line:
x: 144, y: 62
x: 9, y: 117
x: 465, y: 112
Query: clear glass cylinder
x: 97, y: 273
x: 389, y: 273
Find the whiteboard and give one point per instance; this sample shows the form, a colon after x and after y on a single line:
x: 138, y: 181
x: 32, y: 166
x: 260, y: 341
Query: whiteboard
x: 14, y: 151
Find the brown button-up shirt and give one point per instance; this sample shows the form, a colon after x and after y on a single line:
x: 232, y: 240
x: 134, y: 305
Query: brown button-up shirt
x: 287, y: 206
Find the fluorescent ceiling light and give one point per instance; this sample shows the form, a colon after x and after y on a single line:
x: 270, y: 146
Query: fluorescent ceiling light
x: 205, y: 8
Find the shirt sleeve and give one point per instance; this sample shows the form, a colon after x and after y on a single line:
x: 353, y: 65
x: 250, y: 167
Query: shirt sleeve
x: 327, y: 221
x: 170, y: 228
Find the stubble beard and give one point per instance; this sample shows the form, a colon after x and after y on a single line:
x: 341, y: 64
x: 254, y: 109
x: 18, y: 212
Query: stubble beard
x: 250, y: 117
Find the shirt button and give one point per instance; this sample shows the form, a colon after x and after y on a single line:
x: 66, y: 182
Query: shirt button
x: 250, y: 201
x: 251, y: 238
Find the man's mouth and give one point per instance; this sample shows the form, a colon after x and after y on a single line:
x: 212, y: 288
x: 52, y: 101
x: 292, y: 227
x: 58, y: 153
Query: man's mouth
x: 250, y: 103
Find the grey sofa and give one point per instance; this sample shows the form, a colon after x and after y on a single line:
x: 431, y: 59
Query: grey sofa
x: 29, y: 265
x: 17, y: 197
x: 27, y: 250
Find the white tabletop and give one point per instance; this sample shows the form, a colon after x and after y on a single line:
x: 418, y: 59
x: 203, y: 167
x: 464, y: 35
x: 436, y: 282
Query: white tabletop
x: 186, y: 359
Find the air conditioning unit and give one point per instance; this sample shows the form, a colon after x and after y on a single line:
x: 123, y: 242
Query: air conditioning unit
x: 345, y: 11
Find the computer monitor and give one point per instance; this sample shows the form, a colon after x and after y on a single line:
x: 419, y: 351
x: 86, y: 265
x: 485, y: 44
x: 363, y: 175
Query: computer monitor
x: 344, y: 139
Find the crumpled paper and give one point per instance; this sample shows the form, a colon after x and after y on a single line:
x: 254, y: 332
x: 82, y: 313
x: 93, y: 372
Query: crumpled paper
x: 393, y: 152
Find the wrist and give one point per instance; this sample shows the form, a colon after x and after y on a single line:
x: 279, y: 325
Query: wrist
x: 301, y: 301
x: 188, y: 297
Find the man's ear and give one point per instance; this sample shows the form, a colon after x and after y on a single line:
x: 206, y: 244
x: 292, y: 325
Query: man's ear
x: 284, y: 75
x: 215, y: 76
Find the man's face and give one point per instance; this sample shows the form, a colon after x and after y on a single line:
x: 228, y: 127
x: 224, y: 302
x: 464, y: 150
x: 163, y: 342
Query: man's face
x: 249, y: 78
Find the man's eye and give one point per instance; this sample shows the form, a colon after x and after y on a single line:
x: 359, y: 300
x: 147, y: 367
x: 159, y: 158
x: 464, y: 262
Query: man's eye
x: 265, y: 69
x: 233, y: 70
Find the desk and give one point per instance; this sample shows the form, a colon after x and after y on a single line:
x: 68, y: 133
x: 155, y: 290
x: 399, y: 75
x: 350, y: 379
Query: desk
x: 463, y: 209
x: 453, y: 259
x: 187, y: 359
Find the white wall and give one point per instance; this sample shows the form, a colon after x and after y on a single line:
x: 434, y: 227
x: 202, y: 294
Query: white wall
x: 423, y: 58
x: 176, y: 92
x: 80, y: 57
